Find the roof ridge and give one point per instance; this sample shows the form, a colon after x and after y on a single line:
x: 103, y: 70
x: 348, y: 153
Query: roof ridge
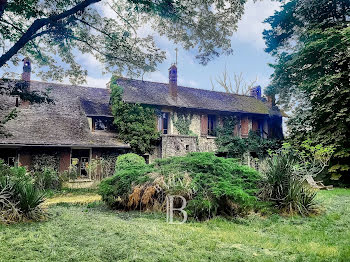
x: 60, y: 84
x: 220, y: 92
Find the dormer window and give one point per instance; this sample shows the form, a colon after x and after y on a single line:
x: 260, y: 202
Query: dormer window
x: 101, y: 123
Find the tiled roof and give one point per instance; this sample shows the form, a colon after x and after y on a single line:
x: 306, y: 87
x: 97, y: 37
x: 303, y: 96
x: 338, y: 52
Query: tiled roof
x: 65, y: 122
x: 152, y: 93
x: 61, y: 123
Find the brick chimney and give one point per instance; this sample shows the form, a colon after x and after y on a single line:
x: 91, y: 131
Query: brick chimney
x: 256, y: 92
x: 173, y: 81
x: 27, y: 69
x: 25, y: 85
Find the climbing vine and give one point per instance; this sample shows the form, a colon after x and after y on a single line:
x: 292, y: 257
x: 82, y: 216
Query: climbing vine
x: 182, y: 122
x: 135, y: 123
x: 233, y: 146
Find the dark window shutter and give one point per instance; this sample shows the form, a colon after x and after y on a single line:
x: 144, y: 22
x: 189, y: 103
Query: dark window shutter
x: 255, y: 125
x: 204, y: 125
x: 244, y: 126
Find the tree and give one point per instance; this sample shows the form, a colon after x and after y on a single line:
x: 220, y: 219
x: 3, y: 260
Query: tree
x: 240, y: 86
x: 310, y: 40
x: 135, y: 123
x: 50, y: 30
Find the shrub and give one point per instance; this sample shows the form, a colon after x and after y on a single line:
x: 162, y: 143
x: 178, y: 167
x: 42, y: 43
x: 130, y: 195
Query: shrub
x: 130, y: 160
x: 211, y: 185
x: 284, y: 184
x: 48, y: 178
x: 19, y: 198
x: 130, y: 170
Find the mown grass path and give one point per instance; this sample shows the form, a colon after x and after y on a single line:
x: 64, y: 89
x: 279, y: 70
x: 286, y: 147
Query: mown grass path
x: 90, y: 232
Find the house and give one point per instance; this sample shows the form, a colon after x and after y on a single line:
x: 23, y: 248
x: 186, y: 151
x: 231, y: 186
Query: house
x: 78, y: 127
x: 205, y: 109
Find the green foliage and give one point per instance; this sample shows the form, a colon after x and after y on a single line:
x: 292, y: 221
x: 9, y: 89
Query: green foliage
x: 129, y: 160
x: 115, y: 190
x: 234, y: 146
x: 20, y: 199
x: 182, y: 123
x: 135, y: 123
x: 317, y: 35
x: 101, y: 167
x: 47, y: 178
x: 61, y: 28
x: 44, y: 160
x: 212, y: 185
x: 130, y: 170
x: 284, y: 184
x: 130, y: 236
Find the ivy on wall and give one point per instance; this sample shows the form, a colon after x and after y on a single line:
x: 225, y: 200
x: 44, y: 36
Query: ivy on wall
x: 233, y: 146
x: 182, y: 122
x: 43, y: 160
x: 135, y: 123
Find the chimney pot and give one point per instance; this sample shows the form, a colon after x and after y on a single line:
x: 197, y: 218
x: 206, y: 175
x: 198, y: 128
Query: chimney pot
x: 27, y: 69
x: 256, y: 92
x: 173, y: 81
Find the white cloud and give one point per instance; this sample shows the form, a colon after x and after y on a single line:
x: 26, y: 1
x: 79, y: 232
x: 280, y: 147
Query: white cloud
x: 89, y: 61
x: 251, y: 26
x: 156, y: 77
x: 100, y: 82
x: 188, y: 83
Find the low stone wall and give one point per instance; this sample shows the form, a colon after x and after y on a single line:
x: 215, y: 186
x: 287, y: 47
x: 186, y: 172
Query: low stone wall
x: 177, y: 145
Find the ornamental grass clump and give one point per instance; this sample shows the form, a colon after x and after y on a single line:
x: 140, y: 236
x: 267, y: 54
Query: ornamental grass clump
x: 20, y: 199
x: 211, y: 185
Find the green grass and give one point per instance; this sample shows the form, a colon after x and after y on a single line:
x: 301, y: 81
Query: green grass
x: 93, y: 233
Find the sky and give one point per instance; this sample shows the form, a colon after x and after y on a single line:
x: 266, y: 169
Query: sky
x: 248, y: 57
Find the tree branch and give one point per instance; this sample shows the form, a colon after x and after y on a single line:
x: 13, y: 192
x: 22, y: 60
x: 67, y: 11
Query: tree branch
x: 37, y: 25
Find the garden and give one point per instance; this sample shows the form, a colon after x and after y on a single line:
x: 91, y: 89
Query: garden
x: 235, y: 212
x: 89, y: 231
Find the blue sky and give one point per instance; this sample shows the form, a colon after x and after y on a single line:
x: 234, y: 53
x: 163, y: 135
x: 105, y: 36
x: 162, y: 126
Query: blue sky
x: 248, y: 57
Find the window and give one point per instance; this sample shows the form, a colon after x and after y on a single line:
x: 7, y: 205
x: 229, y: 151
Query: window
x: 103, y: 124
x: 11, y: 161
x: 100, y: 124
x: 9, y: 156
x: 80, y: 160
x: 211, y: 125
x: 165, y: 123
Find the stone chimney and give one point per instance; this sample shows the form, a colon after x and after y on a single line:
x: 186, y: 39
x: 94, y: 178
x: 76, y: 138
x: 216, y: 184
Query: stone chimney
x: 27, y: 69
x: 256, y: 92
x: 173, y: 81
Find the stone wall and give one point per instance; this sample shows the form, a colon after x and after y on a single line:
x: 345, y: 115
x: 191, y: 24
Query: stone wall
x: 177, y: 145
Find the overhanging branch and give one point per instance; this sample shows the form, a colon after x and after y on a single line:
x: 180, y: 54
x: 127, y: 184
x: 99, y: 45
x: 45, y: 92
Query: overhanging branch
x: 37, y: 25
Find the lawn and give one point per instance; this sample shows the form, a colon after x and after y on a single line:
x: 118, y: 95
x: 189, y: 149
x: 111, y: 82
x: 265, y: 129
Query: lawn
x: 90, y: 232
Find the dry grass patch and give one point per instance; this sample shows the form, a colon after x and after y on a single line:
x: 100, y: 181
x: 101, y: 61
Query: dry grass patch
x: 73, y: 198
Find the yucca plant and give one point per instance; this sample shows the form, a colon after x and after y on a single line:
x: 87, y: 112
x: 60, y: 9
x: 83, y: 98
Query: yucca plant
x: 29, y: 197
x: 19, y: 198
x: 284, y: 186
